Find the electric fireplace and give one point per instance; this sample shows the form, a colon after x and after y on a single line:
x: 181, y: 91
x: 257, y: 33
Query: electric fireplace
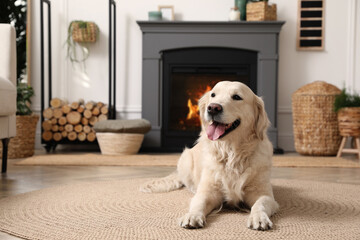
x: 182, y: 60
x: 187, y: 74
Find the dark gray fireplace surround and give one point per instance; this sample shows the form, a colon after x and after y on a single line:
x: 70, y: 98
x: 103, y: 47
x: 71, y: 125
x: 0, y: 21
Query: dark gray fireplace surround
x: 159, y: 36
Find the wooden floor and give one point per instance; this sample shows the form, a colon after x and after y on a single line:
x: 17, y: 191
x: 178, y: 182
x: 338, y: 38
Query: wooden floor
x: 22, y: 179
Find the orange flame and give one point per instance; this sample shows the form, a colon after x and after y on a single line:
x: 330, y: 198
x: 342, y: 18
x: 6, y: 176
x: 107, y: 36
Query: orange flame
x: 194, y: 109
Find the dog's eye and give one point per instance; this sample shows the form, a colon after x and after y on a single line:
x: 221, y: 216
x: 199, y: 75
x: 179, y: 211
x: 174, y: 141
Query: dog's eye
x: 213, y: 95
x: 236, y: 97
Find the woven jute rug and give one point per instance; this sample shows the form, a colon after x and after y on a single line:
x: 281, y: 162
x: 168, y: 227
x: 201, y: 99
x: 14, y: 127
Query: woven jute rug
x: 171, y: 160
x: 117, y: 210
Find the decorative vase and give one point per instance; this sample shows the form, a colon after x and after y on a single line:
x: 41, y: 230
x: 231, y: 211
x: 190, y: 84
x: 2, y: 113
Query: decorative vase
x: 155, y: 16
x: 234, y: 14
x: 241, y: 5
x: 22, y: 145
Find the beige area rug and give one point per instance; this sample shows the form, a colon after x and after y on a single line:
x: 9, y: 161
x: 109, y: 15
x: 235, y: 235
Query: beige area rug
x: 171, y: 160
x: 117, y: 210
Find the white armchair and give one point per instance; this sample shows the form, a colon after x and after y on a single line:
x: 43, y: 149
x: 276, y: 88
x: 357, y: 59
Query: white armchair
x: 7, y: 88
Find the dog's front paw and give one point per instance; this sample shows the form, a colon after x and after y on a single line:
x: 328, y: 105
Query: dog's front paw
x: 192, y: 220
x: 259, y: 221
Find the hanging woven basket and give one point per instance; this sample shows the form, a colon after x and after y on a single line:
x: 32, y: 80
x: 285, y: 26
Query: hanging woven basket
x: 84, y: 32
x: 314, y: 120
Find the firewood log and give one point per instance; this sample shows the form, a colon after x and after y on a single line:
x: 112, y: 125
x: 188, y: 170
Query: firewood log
x: 61, y: 128
x: 57, y: 113
x: 47, y: 135
x: 56, y: 102
x: 95, y: 111
x: 93, y: 120
x: 64, y: 134
x: 84, y: 121
x: 104, y: 110
x: 46, y: 125
x: 78, y: 128
x: 73, y: 117
x: 62, y: 121
x: 66, y: 109
x: 53, y: 121
x: 90, y: 105
x: 69, y: 127
x: 87, y: 113
x: 102, y: 117
x: 74, y: 105
x: 57, y: 136
x: 82, y: 136
x: 91, y: 137
x: 87, y: 129
x: 72, y: 136
x: 81, y: 109
x: 48, y: 113
x: 99, y: 105
x: 55, y: 128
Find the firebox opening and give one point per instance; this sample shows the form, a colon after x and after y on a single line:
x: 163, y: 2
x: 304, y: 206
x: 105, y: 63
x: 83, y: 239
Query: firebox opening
x: 187, y: 75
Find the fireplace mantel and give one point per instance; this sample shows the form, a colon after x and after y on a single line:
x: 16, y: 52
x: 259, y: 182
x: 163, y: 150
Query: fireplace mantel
x: 158, y: 36
x: 210, y: 26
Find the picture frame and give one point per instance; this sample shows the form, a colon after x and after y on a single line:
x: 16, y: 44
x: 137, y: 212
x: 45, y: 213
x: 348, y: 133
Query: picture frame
x: 167, y: 12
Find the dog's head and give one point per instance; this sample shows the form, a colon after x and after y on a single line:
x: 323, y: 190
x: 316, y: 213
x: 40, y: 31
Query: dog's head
x: 232, y: 109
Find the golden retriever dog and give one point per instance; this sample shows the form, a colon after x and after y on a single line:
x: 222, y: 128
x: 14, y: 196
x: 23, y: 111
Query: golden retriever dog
x: 231, y: 162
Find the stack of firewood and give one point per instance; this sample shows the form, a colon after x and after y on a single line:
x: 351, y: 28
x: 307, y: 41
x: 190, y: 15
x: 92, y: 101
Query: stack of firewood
x: 72, y: 121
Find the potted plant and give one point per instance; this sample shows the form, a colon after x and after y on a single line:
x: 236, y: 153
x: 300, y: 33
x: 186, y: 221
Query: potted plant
x: 80, y: 33
x: 347, y: 107
x: 22, y: 145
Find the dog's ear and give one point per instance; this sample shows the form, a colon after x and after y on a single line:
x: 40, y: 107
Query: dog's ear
x: 202, y: 105
x: 261, y: 120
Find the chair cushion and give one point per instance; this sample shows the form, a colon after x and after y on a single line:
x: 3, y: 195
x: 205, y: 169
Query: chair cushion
x: 123, y: 126
x: 7, y: 97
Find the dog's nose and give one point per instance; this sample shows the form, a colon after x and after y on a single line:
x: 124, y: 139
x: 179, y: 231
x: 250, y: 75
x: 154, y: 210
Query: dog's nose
x: 214, y: 109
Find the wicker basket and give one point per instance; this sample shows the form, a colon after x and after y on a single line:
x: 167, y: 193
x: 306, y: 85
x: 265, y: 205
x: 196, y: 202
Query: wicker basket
x: 22, y: 145
x: 349, y: 121
x: 260, y: 11
x: 84, y: 31
x: 314, y: 121
x: 119, y: 143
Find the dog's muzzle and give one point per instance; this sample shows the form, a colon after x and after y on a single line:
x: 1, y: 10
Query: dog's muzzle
x: 214, y: 109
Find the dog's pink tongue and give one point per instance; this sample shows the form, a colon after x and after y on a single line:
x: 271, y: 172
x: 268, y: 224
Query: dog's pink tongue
x: 215, y: 130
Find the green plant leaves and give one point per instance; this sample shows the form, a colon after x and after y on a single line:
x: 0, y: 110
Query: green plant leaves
x: 345, y: 99
x: 23, y: 101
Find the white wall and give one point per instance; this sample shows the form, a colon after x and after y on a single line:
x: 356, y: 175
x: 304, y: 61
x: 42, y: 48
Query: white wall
x: 295, y: 68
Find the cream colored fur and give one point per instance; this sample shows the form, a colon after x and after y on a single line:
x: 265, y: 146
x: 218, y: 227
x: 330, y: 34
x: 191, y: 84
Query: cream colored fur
x: 233, y: 169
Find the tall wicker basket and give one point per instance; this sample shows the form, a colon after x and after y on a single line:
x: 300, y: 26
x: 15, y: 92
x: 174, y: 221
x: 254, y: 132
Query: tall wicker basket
x: 22, y: 145
x: 314, y: 120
